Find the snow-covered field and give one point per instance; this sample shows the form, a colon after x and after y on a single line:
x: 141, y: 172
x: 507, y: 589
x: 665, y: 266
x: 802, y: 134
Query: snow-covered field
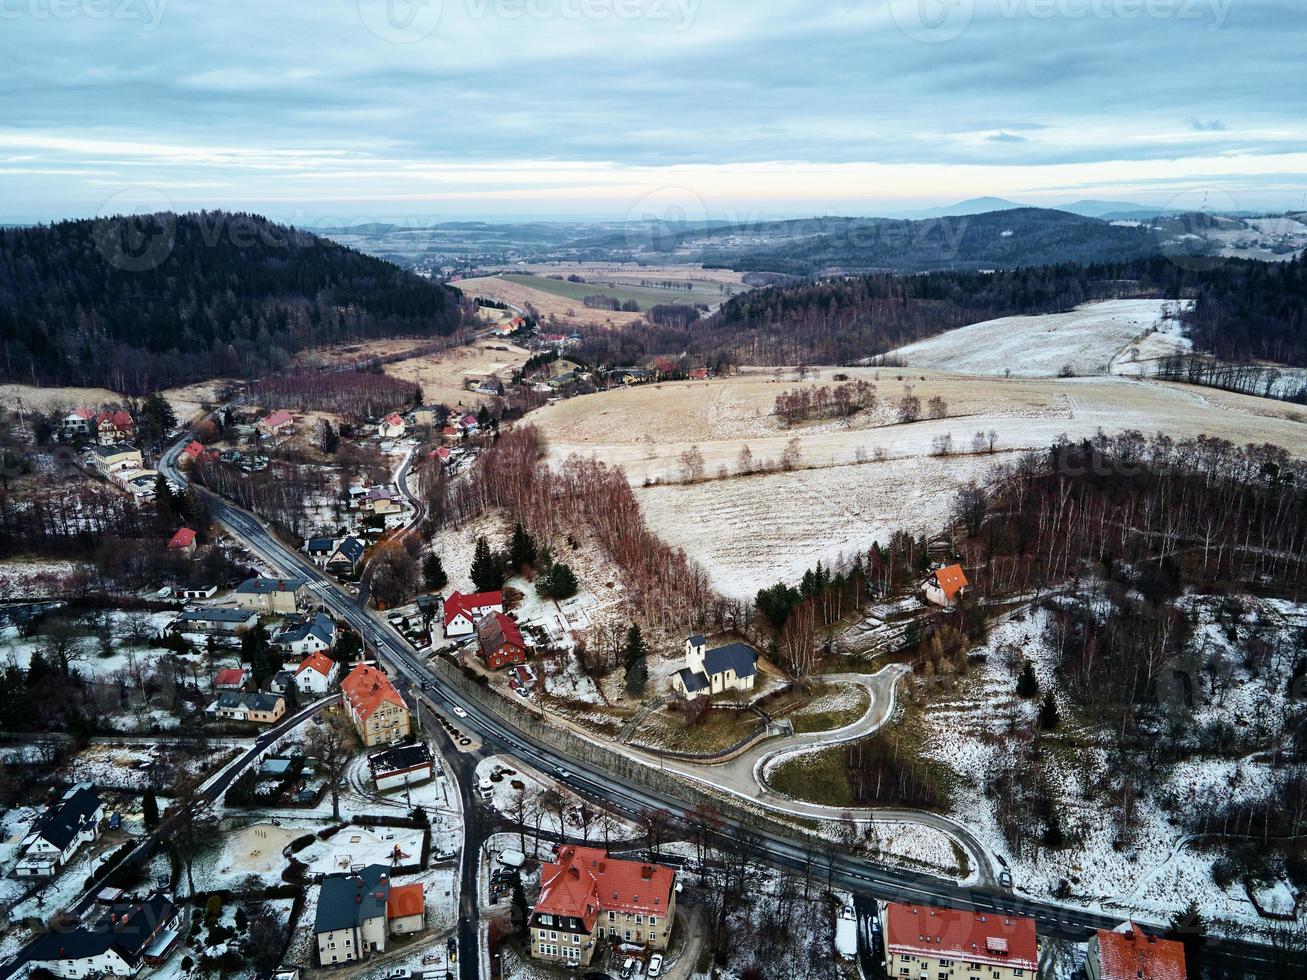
x: 1085, y: 341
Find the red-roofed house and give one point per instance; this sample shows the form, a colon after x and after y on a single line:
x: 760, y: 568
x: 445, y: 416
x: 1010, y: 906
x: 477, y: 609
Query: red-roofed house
x: 463, y: 612
x: 585, y: 897
x: 932, y: 942
x: 315, y: 673
x: 1128, y: 953
x: 406, y: 908
x: 698, y: 374
x: 451, y: 433
x: 392, y: 427
x: 230, y: 679
x: 183, y: 541
x: 193, y: 450
x: 111, y: 427
x: 374, y: 706
x: 499, y: 641
x: 276, y: 422
x: 945, y: 585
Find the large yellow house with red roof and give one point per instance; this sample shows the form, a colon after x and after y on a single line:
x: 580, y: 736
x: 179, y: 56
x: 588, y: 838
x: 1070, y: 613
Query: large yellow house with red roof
x: 377, y: 710
x: 586, y: 897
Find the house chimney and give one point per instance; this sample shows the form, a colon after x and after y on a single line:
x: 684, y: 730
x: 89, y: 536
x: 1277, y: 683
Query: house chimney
x: 646, y: 872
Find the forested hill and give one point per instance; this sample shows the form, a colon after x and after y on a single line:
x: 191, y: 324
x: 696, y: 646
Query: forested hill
x: 143, y: 303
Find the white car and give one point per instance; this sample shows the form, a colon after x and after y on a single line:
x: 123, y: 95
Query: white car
x: 459, y: 711
x: 655, y: 965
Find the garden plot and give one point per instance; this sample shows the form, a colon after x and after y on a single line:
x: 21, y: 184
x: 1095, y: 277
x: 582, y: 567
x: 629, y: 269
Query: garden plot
x: 1087, y: 340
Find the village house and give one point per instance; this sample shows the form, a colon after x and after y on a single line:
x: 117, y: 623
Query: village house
x: 451, y: 433
x: 192, y: 451
x: 698, y: 374
x: 587, y: 897
x: 56, y: 834
x: 310, y: 634
x: 77, y: 424
x: 733, y: 667
x: 125, y: 935
x: 958, y: 945
x: 392, y: 427
x: 316, y: 673
x: 345, y: 559
x: 384, y: 501
x: 115, y: 458
x: 272, y: 595
x: 401, y: 766
x: 255, y: 707
x: 279, y: 421
x: 463, y: 612
x: 1129, y: 953
x: 499, y: 642
x: 183, y: 541
x: 231, y: 679
x: 374, y: 706
x: 320, y: 550
x: 215, y: 620
x: 111, y: 427
x: 358, y: 910
x: 945, y: 585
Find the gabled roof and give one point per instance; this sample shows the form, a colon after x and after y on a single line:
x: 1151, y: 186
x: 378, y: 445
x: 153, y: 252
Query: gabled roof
x: 394, y: 419
x: 1128, y: 953
x: 193, y: 449
x: 320, y: 546
x: 114, y: 449
x: 469, y: 604
x: 125, y: 928
x: 405, y: 900
x: 279, y: 417
x: 583, y: 881
x: 266, y: 586
x: 977, y: 937
x: 349, y: 899
x: 229, y: 677
x: 366, y: 689
x: 496, y: 631
x: 351, y: 548
x: 61, y: 823
x: 184, y: 538
x: 692, y: 680
x: 951, y: 580
x: 739, y: 657
x: 320, y: 626
x: 319, y: 662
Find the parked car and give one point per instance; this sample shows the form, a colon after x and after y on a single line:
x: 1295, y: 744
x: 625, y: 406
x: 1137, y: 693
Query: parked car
x: 1005, y: 878
x: 655, y: 965
x: 630, y: 968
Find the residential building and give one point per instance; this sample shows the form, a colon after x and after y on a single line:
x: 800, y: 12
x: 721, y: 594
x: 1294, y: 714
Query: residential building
x: 272, y: 595
x: 256, y: 707
x: 279, y: 421
x: 320, y: 550
x: 57, y: 833
x: 358, y: 910
x: 384, y: 500
x: 316, y: 673
x: 215, y: 620
x: 231, y: 679
x: 345, y: 559
x: 733, y: 667
x: 1129, y: 953
x: 183, y: 541
x: 499, y: 641
x: 112, y: 427
x: 374, y: 706
x: 116, y: 943
x: 115, y: 457
x: 586, y: 897
x: 192, y: 451
x: 463, y: 612
x: 945, y: 585
x: 392, y: 427
x: 951, y: 944
x: 311, y: 634
x: 401, y: 766
x: 698, y: 374
x: 78, y: 423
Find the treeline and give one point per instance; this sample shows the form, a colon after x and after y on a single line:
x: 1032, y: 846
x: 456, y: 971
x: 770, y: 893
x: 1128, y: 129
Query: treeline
x: 1262, y: 380
x: 352, y: 394
x: 840, y: 402
x: 139, y: 303
x: 668, y: 590
x: 1252, y: 310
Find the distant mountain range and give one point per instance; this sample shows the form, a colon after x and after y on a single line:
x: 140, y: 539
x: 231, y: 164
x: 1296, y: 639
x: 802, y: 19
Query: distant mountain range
x: 1108, y: 210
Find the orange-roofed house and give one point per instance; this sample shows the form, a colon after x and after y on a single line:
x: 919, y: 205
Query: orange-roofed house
x: 586, y: 898
x: 278, y: 421
x: 945, y: 585
x: 183, y: 541
x: 921, y: 941
x: 192, y: 451
x: 374, y: 706
x: 406, y: 908
x: 1129, y: 953
x: 392, y: 427
x: 112, y: 427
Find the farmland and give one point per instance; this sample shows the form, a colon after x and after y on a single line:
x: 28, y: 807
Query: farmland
x: 549, y: 306
x: 644, y: 296
x: 443, y: 376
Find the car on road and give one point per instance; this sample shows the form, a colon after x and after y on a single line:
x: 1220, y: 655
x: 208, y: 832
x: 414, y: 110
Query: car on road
x: 1005, y: 878
x: 562, y: 773
x: 459, y: 711
x: 655, y: 965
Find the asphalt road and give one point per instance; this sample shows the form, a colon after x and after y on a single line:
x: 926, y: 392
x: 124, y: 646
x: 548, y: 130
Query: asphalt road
x: 858, y: 875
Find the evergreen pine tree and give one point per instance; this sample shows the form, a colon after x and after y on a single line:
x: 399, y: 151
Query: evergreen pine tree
x: 1048, y: 714
x: 1027, y: 683
x: 150, y: 810
x: 637, y: 671
x: 487, y: 573
x: 434, y: 572
x: 522, y: 548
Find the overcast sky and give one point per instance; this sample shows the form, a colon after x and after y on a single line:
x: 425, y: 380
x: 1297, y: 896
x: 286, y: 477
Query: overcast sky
x: 326, y: 111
